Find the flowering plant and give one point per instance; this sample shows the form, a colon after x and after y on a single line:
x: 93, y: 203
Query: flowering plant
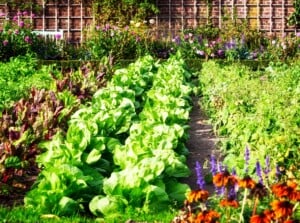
x: 242, y: 199
x: 16, y: 37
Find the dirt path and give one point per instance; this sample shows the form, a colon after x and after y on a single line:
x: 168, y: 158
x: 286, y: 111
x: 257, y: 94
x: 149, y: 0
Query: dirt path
x: 201, y: 144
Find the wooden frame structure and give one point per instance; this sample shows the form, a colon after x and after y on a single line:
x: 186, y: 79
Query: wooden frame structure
x: 72, y: 17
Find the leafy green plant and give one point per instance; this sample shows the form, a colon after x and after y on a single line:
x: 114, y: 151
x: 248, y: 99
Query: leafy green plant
x: 105, y: 143
x: 261, y: 114
x: 121, y: 12
x: 18, y: 76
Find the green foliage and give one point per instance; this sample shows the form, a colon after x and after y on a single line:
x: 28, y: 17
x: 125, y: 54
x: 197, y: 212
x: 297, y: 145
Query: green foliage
x: 258, y: 109
x: 121, y: 12
x: 294, y: 18
x: 118, y: 152
x: 18, y: 76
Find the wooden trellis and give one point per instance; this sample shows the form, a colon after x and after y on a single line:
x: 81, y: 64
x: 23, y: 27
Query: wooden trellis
x: 72, y: 17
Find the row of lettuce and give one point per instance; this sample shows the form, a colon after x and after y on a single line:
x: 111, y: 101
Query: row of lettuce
x: 255, y: 109
x: 124, y: 149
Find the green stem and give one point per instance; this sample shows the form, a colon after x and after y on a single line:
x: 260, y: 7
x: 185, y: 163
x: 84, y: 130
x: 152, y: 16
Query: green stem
x: 243, y: 206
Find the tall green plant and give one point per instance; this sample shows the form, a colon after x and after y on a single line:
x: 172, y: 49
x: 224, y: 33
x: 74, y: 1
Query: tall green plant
x: 123, y: 11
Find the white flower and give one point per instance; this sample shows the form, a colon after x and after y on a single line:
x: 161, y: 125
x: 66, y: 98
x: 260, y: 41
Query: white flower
x: 152, y: 21
x: 138, y: 24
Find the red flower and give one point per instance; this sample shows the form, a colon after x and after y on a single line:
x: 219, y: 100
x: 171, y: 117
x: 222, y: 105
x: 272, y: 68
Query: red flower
x: 229, y: 203
x: 224, y: 179
x: 247, y: 182
x: 208, y: 216
x: 197, y: 195
x: 264, y: 217
x: 286, y: 190
x: 282, y: 209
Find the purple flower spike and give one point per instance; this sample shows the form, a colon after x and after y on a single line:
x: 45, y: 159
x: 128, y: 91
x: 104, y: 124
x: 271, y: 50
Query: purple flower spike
x: 267, y: 170
x: 247, y: 158
x: 258, y: 172
x: 213, y: 165
x: 200, y: 179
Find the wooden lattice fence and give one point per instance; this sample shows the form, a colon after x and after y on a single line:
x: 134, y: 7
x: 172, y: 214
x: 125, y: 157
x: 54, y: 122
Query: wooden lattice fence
x: 72, y: 17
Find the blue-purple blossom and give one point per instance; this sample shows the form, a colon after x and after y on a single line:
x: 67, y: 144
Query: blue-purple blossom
x: 200, y: 178
x: 247, y: 158
x: 213, y: 165
x: 267, y: 169
x: 258, y: 172
x: 176, y: 40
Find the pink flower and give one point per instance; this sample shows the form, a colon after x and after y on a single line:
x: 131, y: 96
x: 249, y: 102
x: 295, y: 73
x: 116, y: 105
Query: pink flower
x: 25, y: 13
x: 16, y: 31
x: 27, y: 39
x: 5, y: 42
x: 57, y: 36
x: 21, y: 24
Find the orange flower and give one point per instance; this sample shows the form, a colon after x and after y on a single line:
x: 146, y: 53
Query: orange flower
x: 207, y: 216
x: 286, y: 190
x: 247, y: 182
x: 197, y: 195
x: 229, y: 203
x: 224, y: 179
x: 282, y: 208
x: 264, y: 217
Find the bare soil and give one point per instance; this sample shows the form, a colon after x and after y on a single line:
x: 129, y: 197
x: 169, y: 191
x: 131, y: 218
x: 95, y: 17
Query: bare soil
x: 201, y: 144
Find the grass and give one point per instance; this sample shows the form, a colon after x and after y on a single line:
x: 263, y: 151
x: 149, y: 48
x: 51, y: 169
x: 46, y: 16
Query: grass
x: 19, y: 214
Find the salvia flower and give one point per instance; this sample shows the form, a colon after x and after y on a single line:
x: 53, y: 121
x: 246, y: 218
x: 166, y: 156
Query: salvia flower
x: 267, y: 169
x: 200, y: 178
x: 258, y: 172
x: 213, y: 165
x: 247, y: 158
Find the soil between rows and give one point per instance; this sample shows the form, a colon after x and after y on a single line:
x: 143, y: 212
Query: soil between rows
x: 202, y: 143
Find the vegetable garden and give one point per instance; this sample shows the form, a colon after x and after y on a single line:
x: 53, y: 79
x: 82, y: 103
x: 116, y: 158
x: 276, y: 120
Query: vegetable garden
x: 99, y: 134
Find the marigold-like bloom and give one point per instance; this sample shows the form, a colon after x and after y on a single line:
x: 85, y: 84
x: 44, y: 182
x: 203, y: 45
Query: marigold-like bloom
x: 207, y: 216
x: 224, y: 179
x: 229, y: 203
x: 264, y: 217
x: 197, y: 195
x: 286, y: 190
x: 282, y: 209
x: 247, y: 182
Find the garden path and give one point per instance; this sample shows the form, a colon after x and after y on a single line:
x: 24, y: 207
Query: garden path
x: 201, y: 144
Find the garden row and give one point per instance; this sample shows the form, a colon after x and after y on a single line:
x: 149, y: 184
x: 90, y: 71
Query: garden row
x: 37, y: 101
x: 124, y: 149
x: 254, y: 109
